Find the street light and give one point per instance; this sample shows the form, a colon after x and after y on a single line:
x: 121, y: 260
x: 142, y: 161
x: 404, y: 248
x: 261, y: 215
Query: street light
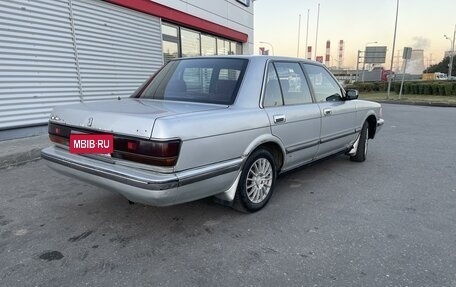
x: 267, y: 43
x: 390, y: 74
x: 364, y: 57
x: 450, y: 68
x: 450, y: 65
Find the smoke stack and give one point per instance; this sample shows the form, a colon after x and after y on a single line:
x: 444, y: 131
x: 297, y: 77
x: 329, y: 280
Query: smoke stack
x: 328, y: 53
x: 341, y: 53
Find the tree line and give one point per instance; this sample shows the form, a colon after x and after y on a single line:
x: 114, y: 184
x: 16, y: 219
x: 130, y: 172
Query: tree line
x: 442, y: 67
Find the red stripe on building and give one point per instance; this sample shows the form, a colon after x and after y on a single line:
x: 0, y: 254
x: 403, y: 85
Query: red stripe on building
x: 181, y: 18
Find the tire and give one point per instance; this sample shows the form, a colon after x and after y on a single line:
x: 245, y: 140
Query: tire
x: 361, y: 151
x: 257, y: 182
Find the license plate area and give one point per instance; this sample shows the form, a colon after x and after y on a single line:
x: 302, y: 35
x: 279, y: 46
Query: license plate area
x: 91, y: 143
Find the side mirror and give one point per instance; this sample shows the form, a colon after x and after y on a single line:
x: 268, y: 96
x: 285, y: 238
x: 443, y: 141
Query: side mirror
x: 351, y: 95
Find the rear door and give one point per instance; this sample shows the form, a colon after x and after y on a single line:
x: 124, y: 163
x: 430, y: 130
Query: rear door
x: 293, y: 115
x: 338, y: 117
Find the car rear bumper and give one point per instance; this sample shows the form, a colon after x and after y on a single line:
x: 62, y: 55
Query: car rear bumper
x: 144, y: 186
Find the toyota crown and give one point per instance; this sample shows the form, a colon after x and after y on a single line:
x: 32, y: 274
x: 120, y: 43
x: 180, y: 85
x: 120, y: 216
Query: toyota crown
x: 214, y: 126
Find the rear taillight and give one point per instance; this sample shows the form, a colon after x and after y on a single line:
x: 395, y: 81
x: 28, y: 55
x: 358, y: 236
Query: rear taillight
x: 160, y: 153
x: 59, y: 134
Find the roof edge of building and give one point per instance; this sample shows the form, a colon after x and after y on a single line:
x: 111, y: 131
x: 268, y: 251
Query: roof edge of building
x: 181, y: 18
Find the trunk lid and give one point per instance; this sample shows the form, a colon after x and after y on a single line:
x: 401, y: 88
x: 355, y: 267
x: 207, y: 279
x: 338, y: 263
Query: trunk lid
x: 132, y: 117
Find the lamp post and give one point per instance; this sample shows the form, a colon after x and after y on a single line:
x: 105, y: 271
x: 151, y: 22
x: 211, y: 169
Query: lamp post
x: 364, y: 57
x: 299, y: 35
x: 450, y: 68
x: 267, y: 43
x: 316, y: 34
x: 390, y: 74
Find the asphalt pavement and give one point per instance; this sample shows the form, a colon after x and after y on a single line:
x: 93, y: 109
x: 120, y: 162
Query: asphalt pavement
x: 390, y: 221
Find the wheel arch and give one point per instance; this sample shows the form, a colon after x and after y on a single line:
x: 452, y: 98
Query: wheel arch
x: 270, y: 143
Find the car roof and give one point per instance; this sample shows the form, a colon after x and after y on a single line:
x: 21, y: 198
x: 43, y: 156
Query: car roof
x: 254, y: 57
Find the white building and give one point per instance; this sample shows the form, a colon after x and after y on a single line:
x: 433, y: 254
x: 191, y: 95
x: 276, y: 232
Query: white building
x: 55, y: 52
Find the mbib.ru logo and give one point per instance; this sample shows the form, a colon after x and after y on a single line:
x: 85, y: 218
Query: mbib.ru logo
x: 91, y: 143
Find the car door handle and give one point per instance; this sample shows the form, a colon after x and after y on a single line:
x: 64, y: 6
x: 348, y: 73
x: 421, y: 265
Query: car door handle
x: 327, y: 112
x: 279, y: 119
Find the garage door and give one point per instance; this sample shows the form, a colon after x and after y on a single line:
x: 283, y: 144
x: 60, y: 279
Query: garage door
x: 61, y: 51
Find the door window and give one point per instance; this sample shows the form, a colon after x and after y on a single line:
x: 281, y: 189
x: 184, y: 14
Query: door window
x: 325, y: 87
x: 286, y: 85
x: 294, y: 86
x: 272, y: 92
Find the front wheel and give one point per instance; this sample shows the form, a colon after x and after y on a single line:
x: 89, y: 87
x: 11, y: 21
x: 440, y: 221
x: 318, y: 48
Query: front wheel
x: 361, y: 151
x: 257, y: 181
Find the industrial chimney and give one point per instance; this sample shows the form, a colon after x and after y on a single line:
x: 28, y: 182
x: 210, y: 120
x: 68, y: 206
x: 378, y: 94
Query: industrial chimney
x: 328, y: 53
x: 341, y: 54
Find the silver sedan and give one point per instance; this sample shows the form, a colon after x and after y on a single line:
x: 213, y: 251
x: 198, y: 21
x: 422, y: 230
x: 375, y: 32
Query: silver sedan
x: 213, y: 126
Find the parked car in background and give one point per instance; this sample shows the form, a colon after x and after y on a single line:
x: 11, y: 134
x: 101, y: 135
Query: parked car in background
x: 441, y: 76
x: 215, y: 126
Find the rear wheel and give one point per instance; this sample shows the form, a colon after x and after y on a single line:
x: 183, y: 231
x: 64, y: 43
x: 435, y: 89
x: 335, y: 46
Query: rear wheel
x: 361, y: 151
x: 257, y: 181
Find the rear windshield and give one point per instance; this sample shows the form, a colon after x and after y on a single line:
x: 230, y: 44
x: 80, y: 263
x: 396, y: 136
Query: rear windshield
x: 204, y: 80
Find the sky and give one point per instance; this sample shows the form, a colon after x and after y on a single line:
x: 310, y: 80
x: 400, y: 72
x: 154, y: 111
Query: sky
x: 421, y: 25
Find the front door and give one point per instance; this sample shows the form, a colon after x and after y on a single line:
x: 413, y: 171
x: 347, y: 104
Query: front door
x: 338, y: 117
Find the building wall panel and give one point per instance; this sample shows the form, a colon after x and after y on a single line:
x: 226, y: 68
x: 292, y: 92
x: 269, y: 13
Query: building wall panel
x: 37, y: 67
x: 118, y: 48
x: 48, y: 58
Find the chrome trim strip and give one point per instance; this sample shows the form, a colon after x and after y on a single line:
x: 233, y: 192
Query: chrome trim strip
x: 206, y: 172
x: 312, y: 143
x: 302, y: 146
x: 337, y: 136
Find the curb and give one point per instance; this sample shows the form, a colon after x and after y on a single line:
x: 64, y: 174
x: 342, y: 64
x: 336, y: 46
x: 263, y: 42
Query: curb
x: 20, y: 158
x: 425, y: 104
x: 21, y: 151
